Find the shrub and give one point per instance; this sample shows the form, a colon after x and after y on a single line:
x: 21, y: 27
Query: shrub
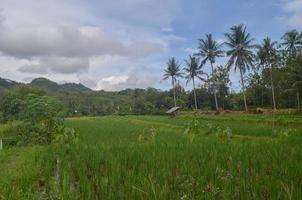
x: 7, y: 129
x: 27, y: 134
x: 65, y: 136
x: 1, y: 117
x: 43, y: 117
x: 40, y: 118
x: 11, y: 107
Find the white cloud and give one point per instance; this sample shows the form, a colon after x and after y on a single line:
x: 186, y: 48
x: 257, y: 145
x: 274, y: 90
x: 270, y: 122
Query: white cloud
x: 63, y: 65
x: 69, y: 41
x: 131, y: 80
x: 294, y: 13
x: 33, y: 68
x: 295, y: 20
x: 86, y: 41
x: 190, y: 51
x: 167, y: 29
x: 111, y: 82
x: 294, y: 5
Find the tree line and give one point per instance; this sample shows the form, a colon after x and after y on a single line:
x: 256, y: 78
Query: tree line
x: 270, y: 76
x: 242, y: 54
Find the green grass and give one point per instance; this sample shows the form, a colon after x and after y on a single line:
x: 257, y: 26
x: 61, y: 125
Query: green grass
x: 118, y: 158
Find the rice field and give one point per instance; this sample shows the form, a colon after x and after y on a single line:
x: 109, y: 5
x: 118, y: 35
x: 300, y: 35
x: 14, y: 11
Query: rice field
x: 158, y: 157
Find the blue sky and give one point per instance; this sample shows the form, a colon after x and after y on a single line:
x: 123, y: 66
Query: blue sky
x: 119, y: 44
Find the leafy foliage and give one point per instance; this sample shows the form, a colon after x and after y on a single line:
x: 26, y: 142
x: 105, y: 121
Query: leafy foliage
x: 240, y: 52
x: 40, y: 118
x: 209, y: 49
x: 292, y: 41
x: 173, y: 70
x: 194, y: 70
x: 266, y: 68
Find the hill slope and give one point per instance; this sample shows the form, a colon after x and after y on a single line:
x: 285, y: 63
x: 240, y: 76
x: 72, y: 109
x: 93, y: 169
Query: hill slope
x: 6, y: 83
x: 49, y: 85
x: 45, y: 84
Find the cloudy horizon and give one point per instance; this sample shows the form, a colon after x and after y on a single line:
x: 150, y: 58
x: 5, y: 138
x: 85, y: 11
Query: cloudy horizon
x: 113, y: 45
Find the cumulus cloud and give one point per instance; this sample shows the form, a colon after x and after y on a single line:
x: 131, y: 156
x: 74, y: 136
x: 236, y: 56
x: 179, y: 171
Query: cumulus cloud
x: 64, y: 65
x: 87, y: 80
x: 120, y: 82
x: 112, y: 82
x: 190, y: 51
x: 68, y: 49
x: 33, y: 68
x: 69, y: 41
x: 99, y: 43
x: 294, y: 10
x: 294, y: 5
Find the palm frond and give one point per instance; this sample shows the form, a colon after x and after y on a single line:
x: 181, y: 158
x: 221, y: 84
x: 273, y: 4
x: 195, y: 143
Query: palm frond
x: 240, y: 48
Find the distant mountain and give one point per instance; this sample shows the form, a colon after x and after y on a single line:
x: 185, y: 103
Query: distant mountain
x: 49, y: 85
x: 6, y: 83
x: 76, y: 87
x: 45, y: 84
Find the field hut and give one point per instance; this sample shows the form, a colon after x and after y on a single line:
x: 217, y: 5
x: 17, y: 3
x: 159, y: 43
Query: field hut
x: 173, y: 111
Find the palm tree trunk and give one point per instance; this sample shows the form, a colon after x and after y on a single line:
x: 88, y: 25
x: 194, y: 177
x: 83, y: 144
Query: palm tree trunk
x: 273, y: 90
x: 194, y: 94
x: 243, y: 90
x: 215, y: 95
x: 174, y: 92
x: 262, y: 88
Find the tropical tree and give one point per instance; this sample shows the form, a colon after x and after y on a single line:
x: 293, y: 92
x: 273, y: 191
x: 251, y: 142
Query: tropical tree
x: 292, y: 41
x: 173, y: 71
x: 296, y: 76
x: 267, y: 55
x: 193, y: 70
x: 209, y: 50
x: 240, y: 53
x: 222, y: 79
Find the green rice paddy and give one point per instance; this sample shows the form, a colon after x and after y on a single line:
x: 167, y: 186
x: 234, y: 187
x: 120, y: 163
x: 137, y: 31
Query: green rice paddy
x: 151, y: 157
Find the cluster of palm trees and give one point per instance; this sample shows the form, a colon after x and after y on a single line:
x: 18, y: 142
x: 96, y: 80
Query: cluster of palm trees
x: 242, y: 55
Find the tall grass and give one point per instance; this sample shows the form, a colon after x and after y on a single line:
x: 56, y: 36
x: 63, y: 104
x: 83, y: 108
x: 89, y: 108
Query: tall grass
x: 151, y: 158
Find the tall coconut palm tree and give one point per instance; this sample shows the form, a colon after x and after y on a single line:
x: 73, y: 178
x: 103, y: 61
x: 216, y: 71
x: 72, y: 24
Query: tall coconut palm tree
x: 292, y: 41
x: 193, y: 70
x: 240, y: 53
x: 267, y: 54
x: 173, y: 71
x: 209, y: 50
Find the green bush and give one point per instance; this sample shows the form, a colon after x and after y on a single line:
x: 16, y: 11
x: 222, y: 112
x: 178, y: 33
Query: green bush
x: 32, y: 119
x: 43, y: 117
x: 27, y: 134
x: 7, y: 130
x: 1, y: 117
x: 11, y: 107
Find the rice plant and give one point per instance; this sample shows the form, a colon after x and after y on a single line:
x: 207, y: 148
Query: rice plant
x: 144, y: 157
